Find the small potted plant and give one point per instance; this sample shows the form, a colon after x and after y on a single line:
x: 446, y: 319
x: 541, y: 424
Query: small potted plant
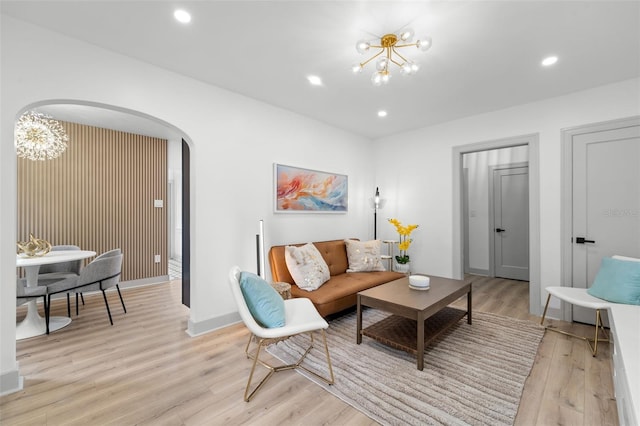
x: 402, y: 260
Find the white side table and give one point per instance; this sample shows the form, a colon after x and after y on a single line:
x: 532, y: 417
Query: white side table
x: 389, y: 256
x: 284, y: 289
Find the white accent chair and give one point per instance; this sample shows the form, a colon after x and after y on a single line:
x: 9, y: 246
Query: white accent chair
x: 579, y: 297
x: 300, y: 317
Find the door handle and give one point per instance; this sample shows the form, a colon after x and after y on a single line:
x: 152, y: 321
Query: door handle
x: 582, y: 240
x: 500, y: 230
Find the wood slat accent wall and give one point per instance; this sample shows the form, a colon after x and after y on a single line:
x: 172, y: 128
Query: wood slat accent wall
x: 99, y: 195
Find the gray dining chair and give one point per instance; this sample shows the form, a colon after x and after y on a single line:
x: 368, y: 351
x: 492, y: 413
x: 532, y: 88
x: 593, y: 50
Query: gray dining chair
x: 101, y: 274
x: 26, y: 294
x: 61, y: 271
x: 110, y: 253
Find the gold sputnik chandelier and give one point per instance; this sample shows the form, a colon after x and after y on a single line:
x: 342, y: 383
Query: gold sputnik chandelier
x: 388, y: 54
x: 39, y: 137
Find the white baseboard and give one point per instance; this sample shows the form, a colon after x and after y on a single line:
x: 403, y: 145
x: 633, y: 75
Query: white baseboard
x: 144, y: 282
x: 477, y: 271
x: 198, y: 328
x: 124, y: 284
x: 10, y: 382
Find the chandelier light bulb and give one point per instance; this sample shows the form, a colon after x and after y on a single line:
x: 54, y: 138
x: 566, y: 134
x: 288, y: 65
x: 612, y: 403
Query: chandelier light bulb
x: 405, y: 69
x: 414, y: 67
x: 356, y: 68
x: 406, y: 35
x: 362, y: 46
x: 376, y: 79
x: 386, y: 76
x: 424, y: 44
x: 382, y: 64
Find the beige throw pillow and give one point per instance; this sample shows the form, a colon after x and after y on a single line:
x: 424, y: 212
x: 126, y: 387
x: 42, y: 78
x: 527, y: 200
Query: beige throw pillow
x: 364, y: 256
x: 306, y: 266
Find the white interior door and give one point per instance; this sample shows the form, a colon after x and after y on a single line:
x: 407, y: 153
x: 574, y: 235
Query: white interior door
x: 606, y: 202
x: 511, y: 223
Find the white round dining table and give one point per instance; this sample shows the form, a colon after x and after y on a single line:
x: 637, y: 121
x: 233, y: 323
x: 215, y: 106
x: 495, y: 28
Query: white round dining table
x: 33, y: 324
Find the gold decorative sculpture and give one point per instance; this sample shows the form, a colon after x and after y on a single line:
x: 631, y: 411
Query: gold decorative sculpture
x: 34, y: 247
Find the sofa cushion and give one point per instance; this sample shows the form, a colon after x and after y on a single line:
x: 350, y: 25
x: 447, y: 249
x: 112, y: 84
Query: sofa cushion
x: 306, y: 266
x: 364, y: 256
x: 264, y: 302
x: 333, y: 252
x: 617, y: 281
x: 340, y: 291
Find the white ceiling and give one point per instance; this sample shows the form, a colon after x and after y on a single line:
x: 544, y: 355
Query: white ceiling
x: 485, y: 56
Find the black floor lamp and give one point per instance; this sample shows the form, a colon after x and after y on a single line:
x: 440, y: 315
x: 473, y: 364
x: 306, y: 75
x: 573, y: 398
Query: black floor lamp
x: 376, y: 206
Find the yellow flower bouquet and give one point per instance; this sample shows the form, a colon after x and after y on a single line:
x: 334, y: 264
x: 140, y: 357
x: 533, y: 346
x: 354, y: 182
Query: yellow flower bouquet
x: 405, y: 241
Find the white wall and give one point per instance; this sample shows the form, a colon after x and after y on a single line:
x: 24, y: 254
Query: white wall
x: 234, y: 141
x: 419, y: 185
x: 174, y: 164
x: 477, y: 165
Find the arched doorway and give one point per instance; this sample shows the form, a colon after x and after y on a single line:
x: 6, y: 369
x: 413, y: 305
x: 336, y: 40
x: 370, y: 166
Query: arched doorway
x: 119, y: 119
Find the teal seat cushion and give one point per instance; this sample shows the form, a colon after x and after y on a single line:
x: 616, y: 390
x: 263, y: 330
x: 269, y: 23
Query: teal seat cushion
x: 617, y: 281
x: 263, y: 301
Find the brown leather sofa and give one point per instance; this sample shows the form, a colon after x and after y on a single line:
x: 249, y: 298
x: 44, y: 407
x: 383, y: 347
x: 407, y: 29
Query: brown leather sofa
x: 339, y: 293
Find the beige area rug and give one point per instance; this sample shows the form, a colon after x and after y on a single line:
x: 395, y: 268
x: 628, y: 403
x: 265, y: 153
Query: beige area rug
x: 473, y: 374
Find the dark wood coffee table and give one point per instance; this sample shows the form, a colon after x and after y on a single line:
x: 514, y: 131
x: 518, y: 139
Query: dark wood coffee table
x: 419, y: 316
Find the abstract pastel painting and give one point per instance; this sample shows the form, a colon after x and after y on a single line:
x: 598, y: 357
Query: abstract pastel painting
x: 309, y: 191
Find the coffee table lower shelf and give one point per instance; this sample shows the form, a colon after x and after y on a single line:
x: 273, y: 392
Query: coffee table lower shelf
x: 401, y: 333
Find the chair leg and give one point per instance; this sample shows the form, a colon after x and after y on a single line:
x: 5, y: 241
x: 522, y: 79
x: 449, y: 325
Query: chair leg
x: 47, y: 304
x: 68, y: 306
x: 598, y: 327
x: 121, y: 300
x: 329, y: 380
x: 82, y: 298
x: 248, y: 394
x: 77, y: 304
x: 106, y: 303
x: 246, y: 348
x: 326, y: 351
x: 544, y: 314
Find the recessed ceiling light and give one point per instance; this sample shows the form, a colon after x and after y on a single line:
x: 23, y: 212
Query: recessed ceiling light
x: 550, y: 60
x: 182, y: 16
x: 382, y: 113
x: 314, y: 80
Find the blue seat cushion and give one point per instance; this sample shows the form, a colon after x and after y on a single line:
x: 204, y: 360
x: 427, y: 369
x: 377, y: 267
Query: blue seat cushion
x: 263, y: 301
x: 617, y: 281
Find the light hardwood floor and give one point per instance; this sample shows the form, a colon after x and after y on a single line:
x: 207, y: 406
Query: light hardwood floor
x: 147, y: 370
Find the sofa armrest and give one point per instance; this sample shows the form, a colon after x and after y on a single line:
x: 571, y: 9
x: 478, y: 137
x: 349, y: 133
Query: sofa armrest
x: 279, y: 270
